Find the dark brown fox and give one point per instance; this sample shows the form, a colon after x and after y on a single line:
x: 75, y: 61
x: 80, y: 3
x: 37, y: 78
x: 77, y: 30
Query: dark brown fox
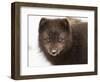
x: 62, y: 43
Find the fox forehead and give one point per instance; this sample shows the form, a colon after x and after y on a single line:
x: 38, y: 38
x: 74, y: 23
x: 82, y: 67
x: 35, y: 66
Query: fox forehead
x: 54, y: 34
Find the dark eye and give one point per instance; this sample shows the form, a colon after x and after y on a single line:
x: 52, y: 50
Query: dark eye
x: 61, y: 40
x: 47, y: 39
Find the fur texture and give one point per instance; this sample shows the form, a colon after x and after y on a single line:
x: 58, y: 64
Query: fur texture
x: 63, y: 43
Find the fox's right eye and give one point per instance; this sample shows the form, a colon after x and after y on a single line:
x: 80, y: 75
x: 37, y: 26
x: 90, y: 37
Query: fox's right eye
x: 61, y: 40
x: 47, y: 39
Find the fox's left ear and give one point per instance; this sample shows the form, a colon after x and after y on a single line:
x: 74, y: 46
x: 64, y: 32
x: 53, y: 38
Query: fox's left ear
x: 66, y: 24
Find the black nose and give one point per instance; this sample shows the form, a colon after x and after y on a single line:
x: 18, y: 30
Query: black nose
x: 54, y: 51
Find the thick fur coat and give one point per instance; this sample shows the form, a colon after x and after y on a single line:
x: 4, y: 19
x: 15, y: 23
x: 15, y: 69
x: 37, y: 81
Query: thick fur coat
x: 63, y: 43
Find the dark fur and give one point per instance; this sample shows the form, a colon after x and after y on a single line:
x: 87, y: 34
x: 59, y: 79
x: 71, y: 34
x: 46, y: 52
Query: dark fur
x: 70, y: 42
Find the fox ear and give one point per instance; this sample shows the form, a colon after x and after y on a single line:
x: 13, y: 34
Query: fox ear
x: 66, y: 24
x: 42, y: 21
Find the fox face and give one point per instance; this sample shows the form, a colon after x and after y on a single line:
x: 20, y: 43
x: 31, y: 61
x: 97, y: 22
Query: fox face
x: 54, y: 36
x: 55, y: 43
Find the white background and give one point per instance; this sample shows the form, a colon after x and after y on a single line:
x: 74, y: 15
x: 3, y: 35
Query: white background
x: 5, y: 41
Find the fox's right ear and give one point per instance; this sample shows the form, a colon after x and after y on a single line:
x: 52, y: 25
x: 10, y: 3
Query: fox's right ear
x: 43, y: 21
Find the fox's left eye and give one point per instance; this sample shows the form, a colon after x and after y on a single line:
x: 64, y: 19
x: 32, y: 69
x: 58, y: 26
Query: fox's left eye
x: 61, y: 40
x: 47, y: 39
